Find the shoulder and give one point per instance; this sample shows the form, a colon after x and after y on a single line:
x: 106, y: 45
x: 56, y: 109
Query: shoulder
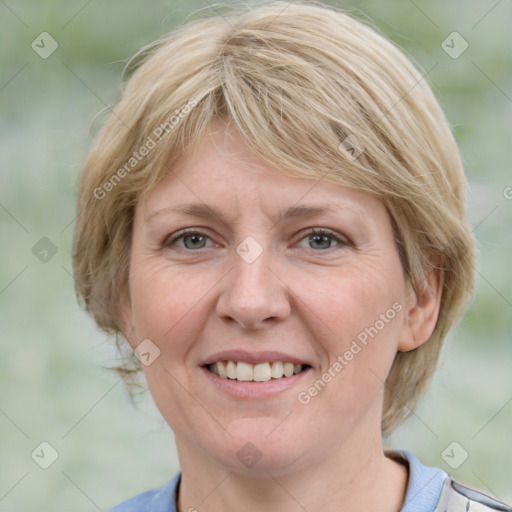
x: 424, y: 484
x: 432, y: 489
x: 162, y: 499
x: 455, y: 497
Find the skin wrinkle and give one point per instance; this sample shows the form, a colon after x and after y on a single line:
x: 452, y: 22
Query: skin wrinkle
x: 342, y: 79
x: 278, y: 302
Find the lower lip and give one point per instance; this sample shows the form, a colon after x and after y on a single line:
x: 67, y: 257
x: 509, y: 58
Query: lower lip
x: 269, y: 388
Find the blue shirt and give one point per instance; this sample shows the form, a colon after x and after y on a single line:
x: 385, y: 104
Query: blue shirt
x: 423, y: 490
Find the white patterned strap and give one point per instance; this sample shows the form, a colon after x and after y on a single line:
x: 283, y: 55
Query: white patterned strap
x: 457, y: 498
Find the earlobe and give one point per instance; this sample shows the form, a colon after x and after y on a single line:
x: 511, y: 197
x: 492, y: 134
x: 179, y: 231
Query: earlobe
x: 421, y: 312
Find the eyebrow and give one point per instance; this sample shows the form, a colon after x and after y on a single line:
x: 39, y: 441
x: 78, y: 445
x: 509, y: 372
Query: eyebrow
x: 302, y: 211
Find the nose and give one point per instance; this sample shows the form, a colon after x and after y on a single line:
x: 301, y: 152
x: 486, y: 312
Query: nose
x: 254, y: 294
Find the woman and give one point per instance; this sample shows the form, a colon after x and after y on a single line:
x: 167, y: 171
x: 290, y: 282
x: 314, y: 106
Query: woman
x: 272, y: 222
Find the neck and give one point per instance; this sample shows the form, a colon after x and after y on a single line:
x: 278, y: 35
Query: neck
x: 354, y: 476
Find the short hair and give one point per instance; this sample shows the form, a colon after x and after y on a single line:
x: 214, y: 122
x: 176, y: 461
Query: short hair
x: 308, y: 87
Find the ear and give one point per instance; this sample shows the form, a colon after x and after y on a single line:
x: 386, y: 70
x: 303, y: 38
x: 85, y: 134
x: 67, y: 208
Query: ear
x: 422, y: 311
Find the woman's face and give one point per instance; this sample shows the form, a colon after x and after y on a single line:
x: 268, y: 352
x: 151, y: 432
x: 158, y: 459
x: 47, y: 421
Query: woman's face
x: 259, y: 289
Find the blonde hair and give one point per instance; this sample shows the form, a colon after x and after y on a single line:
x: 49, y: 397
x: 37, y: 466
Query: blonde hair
x: 296, y: 80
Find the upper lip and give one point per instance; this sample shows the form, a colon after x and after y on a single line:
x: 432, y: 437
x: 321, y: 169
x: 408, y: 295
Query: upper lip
x: 252, y: 357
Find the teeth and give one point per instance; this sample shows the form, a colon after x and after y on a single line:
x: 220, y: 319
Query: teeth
x: 261, y: 372
x: 277, y: 370
x: 221, y: 368
x: 244, y: 371
x: 231, y: 370
x: 288, y: 369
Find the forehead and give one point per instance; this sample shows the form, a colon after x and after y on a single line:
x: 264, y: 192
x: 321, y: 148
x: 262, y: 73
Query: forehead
x: 224, y: 173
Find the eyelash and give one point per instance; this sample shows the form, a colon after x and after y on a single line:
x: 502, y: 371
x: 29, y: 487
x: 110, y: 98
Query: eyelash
x: 171, y: 240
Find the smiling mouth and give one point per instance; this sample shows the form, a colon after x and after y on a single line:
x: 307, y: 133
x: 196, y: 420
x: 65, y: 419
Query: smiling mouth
x: 262, y: 372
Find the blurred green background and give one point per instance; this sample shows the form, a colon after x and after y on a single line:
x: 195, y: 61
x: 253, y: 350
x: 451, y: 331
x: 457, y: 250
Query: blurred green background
x: 53, y: 384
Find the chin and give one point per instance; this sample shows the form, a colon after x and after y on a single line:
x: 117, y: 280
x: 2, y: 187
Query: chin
x: 253, y: 451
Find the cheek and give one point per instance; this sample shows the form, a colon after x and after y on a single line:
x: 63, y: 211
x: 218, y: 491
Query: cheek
x: 166, y: 305
x: 356, y: 300
x: 174, y: 398
x: 364, y: 316
x: 162, y: 299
